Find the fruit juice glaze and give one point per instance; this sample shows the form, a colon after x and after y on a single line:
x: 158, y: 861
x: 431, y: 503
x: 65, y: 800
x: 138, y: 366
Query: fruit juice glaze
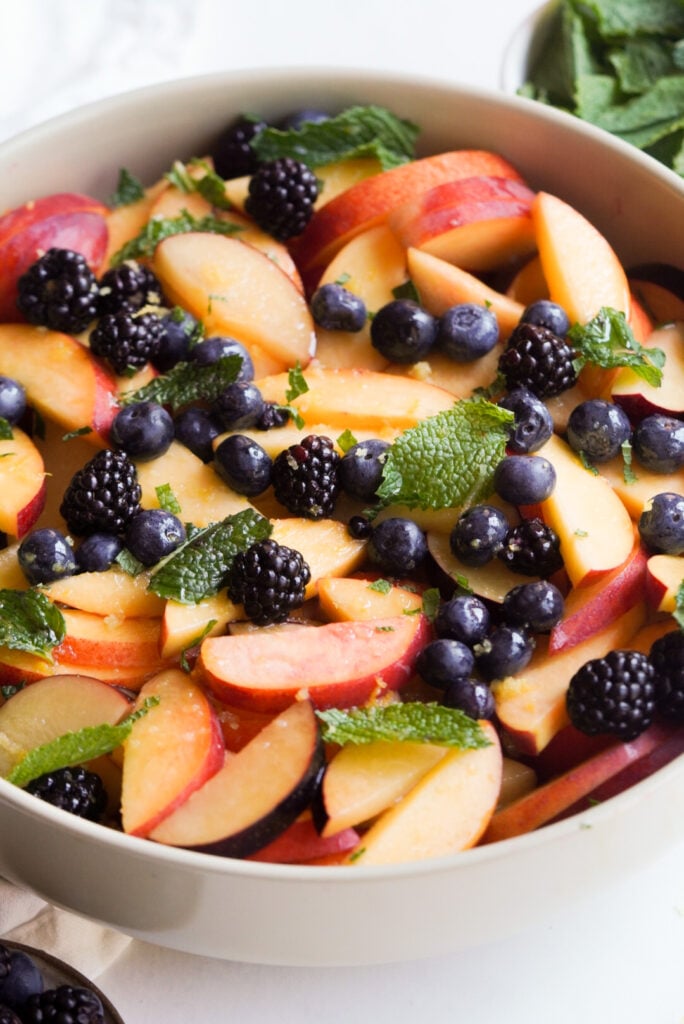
x: 342, y: 493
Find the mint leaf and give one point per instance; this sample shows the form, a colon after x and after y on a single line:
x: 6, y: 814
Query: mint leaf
x: 5, y: 430
x: 297, y: 382
x: 209, y: 185
x: 159, y: 228
x: 346, y: 440
x: 186, y: 383
x: 167, y: 499
x: 76, y: 747
x: 127, y: 561
x: 129, y: 189
x: 431, y: 602
x: 30, y: 622
x: 407, y: 290
x: 380, y: 586
x: 357, y: 132
x: 79, y: 432
x: 628, y: 474
x: 607, y: 341
x: 447, y: 460
x: 199, y: 568
x: 678, y: 613
x: 413, y: 722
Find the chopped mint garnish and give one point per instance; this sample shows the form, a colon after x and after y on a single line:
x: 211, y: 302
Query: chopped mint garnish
x: 357, y: 132
x: 186, y: 383
x: 5, y: 430
x: 159, y: 228
x: 127, y: 561
x: 80, y: 432
x: 209, y: 185
x: 199, y: 568
x: 407, y: 290
x: 380, y: 586
x: 414, y: 722
x: 346, y: 440
x: 587, y: 463
x: 129, y: 190
x: 297, y: 382
x: 607, y: 341
x: 679, y: 606
x: 343, y: 278
x: 447, y: 460
x: 76, y: 747
x: 10, y: 689
x: 431, y: 603
x: 493, y: 390
x: 167, y: 499
x: 30, y: 622
x: 628, y: 474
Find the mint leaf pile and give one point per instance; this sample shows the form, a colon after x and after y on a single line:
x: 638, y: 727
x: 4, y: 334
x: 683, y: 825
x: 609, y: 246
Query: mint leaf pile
x: 607, y: 341
x: 159, y: 228
x: 30, y: 622
x: 357, y: 132
x: 447, y: 460
x: 412, y: 722
x: 620, y: 65
x: 186, y: 383
x: 129, y: 189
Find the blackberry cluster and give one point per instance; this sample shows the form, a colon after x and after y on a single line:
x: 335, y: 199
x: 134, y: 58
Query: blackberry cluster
x: 8, y: 1016
x: 126, y: 339
x: 537, y: 359
x: 66, y: 1004
x: 615, y: 694
x: 75, y: 790
x: 58, y: 291
x: 269, y: 580
x: 667, y: 658
x: 281, y: 197
x: 232, y: 154
x: 304, y: 477
x: 532, y: 549
x: 130, y: 285
x: 103, y: 496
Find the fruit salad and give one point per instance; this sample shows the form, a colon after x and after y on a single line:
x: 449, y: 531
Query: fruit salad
x: 343, y: 500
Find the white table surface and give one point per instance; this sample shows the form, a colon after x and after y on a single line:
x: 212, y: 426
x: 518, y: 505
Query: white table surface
x: 619, y: 958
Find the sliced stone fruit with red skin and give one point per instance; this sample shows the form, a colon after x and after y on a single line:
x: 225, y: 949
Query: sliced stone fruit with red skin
x: 664, y: 576
x: 639, y: 398
x: 301, y: 843
x: 257, y: 794
x: 340, y: 664
x: 22, y: 484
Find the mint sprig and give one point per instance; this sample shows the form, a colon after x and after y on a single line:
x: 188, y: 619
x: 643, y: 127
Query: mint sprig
x: 186, y: 383
x: 199, y: 568
x: 412, y: 722
x: 607, y: 341
x: 129, y: 189
x: 159, y: 228
x: 370, y: 131
x: 447, y: 460
x: 209, y: 185
x: 30, y: 622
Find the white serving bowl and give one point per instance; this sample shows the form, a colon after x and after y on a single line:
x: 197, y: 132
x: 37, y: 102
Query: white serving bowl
x: 322, y: 916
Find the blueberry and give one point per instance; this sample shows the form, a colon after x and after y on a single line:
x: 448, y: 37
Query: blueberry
x: 97, y: 552
x: 335, y: 308
x: 196, y: 428
x: 240, y: 405
x: 177, y: 330
x: 598, y: 428
x: 466, y: 332
x: 479, y: 534
x: 360, y: 468
x: 532, y: 424
x: 20, y: 978
x: 397, y: 545
x: 243, y: 464
x: 442, y: 661
x: 471, y: 696
x: 658, y: 443
x: 209, y: 351
x: 403, y: 331
x: 547, y: 314
x: 153, y: 534
x: 661, y: 527
x: 298, y: 118
x: 538, y: 606
x: 46, y: 555
x: 359, y: 527
x: 12, y: 400
x: 505, y: 651
x: 144, y: 430
x: 524, y: 479
x: 464, y: 617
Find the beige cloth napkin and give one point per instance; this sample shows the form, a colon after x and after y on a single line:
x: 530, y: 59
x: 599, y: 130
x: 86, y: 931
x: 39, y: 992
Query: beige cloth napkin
x: 83, y: 944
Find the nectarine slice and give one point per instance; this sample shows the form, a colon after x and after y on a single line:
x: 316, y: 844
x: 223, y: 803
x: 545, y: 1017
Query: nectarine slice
x: 113, y: 592
x: 348, y: 599
x: 22, y: 484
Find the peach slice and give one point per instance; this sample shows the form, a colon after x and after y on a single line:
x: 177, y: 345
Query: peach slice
x: 339, y: 664
x: 639, y: 398
x: 301, y: 844
x: 325, y: 545
x: 442, y: 285
x: 529, y: 284
x: 11, y: 574
x: 279, y: 438
x: 22, y: 484
x: 636, y: 492
x: 460, y: 379
x: 183, y: 624
x: 113, y: 592
x: 170, y: 753
x: 52, y: 707
x: 349, y: 599
x: 581, y: 267
x: 445, y: 812
x: 105, y: 640
x: 63, y: 381
x: 478, y: 223
x: 664, y: 575
x: 594, y: 527
x: 225, y: 283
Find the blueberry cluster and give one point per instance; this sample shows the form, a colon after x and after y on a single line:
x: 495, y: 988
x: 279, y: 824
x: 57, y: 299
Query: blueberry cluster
x: 25, y: 999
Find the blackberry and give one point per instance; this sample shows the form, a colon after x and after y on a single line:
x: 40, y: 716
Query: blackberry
x: 75, y: 790
x: 537, y: 359
x: 532, y: 549
x: 667, y: 657
x: 131, y: 285
x: 268, y: 580
x: 8, y: 1016
x: 614, y: 694
x: 59, y: 291
x: 305, y: 477
x: 281, y: 197
x: 127, y: 340
x: 67, y: 1004
x: 232, y: 153
x: 103, y: 496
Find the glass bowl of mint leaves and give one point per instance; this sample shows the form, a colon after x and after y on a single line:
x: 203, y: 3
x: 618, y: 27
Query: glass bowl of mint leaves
x: 618, y: 64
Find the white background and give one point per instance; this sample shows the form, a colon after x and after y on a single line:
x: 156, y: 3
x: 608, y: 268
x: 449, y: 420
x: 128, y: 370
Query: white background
x: 618, y: 958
